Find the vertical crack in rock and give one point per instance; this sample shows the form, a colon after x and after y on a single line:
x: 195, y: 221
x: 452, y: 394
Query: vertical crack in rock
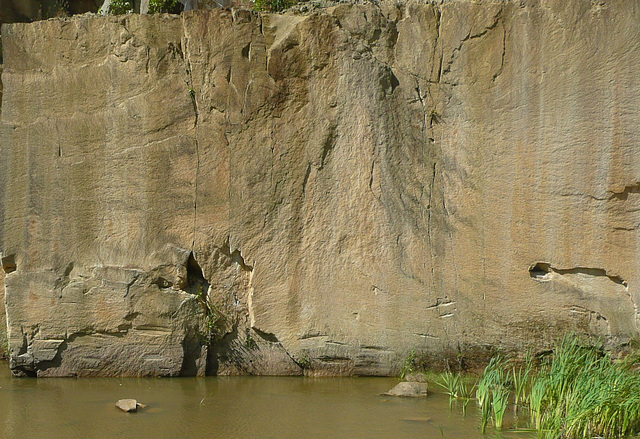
x: 446, y: 211
x: 435, y: 47
x: 429, y: 237
x: 194, y: 101
x: 328, y: 145
x: 371, y: 180
x: 504, y: 51
x: 58, y: 138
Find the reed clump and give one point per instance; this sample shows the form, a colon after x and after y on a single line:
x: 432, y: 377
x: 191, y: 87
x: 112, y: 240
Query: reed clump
x: 578, y: 391
x: 457, y: 387
x: 493, y: 392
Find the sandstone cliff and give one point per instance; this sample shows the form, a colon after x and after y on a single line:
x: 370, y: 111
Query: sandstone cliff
x: 282, y: 194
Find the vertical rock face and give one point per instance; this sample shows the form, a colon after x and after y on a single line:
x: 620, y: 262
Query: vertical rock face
x: 236, y: 193
x: 100, y: 246
x: 3, y: 314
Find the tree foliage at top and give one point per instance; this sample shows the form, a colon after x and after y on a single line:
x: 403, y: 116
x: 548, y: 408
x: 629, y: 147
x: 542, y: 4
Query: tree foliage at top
x: 165, y: 6
x: 119, y: 7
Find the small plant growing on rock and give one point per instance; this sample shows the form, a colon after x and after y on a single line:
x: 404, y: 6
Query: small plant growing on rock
x: 214, y: 317
x: 165, y: 6
x: 251, y: 343
x: 304, y: 361
x: 409, y: 364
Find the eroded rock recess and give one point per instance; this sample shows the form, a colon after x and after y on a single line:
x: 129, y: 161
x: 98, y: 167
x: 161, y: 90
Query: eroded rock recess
x: 235, y: 193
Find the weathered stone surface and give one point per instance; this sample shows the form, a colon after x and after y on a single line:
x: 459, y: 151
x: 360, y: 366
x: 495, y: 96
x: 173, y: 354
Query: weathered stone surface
x: 127, y: 405
x: 340, y: 187
x: 409, y: 389
x: 3, y: 315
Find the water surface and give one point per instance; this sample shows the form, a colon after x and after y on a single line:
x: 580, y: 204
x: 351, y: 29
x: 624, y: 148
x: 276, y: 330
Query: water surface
x: 227, y: 407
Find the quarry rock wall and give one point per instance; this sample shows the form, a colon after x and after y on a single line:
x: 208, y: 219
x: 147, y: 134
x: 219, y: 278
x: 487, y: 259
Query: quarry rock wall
x: 235, y: 193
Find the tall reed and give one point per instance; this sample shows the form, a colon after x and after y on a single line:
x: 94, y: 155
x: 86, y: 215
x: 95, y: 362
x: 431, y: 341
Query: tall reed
x: 577, y: 392
x: 457, y: 389
x: 451, y: 383
x: 583, y: 393
x: 493, y: 392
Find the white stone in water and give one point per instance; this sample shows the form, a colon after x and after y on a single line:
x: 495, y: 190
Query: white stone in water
x: 410, y: 389
x: 127, y: 405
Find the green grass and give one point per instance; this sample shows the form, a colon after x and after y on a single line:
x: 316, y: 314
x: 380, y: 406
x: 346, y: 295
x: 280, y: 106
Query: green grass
x: 577, y: 392
x: 457, y: 387
x: 581, y: 392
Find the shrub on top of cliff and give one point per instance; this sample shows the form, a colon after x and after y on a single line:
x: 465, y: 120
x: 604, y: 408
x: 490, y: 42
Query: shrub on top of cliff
x: 165, y: 6
x: 273, y: 5
x: 119, y: 7
x: 59, y: 8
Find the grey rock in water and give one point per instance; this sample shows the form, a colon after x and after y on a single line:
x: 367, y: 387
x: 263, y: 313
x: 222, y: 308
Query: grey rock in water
x: 127, y: 405
x: 409, y: 389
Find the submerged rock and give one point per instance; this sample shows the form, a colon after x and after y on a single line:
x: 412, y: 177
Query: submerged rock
x: 127, y: 405
x: 409, y: 389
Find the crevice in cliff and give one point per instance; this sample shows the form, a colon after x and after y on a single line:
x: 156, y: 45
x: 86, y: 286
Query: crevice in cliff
x: 196, y: 284
x: 306, y: 179
x: 628, y: 228
x: 442, y: 302
x: 371, y: 180
x: 328, y: 145
x: 624, y: 194
x: 424, y: 107
x: 246, y: 51
x: 58, y: 137
x: 541, y: 271
x: 267, y: 336
x: 272, y: 338
x: 194, y: 101
x: 446, y: 213
x: 496, y: 20
x: 235, y: 256
x: 504, y: 51
x: 429, y: 236
x: 195, y: 342
x: 426, y: 335
x: 435, y: 47
x: 9, y: 264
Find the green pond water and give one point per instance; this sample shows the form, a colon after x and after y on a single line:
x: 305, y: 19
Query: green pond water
x: 228, y: 407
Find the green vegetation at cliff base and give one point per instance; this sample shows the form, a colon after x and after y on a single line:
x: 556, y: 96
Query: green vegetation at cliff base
x: 577, y: 391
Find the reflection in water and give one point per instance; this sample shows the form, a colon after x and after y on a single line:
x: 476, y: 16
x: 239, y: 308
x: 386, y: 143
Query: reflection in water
x: 226, y: 407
